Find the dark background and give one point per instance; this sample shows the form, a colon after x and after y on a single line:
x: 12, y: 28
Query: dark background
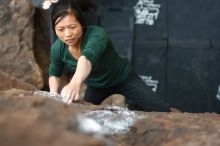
x: 181, y: 50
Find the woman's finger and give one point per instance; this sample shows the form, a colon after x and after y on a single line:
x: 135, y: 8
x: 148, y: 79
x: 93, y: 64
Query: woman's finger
x: 70, y: 100
x: 76, y: 97
x: 65, y: 95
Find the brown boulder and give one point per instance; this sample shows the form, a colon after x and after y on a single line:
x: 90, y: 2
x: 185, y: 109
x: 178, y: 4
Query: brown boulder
x: 35, y: 120
x: 174, y: 129
x: 16, y: 33
x: 10, y: 82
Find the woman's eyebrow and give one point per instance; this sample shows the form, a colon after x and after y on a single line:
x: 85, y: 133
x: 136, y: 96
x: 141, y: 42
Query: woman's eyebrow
x: 67, y: 25
x: 72, y: 24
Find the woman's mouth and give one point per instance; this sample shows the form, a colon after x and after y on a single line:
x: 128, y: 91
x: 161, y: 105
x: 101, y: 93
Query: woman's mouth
x: 70, y: 41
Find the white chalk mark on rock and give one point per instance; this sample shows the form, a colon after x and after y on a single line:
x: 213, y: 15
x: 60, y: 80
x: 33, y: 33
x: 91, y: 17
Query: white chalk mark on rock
x: 107, y: 121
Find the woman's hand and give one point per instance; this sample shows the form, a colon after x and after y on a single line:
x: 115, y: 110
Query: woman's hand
x: 47, y: 3
x: 71, y: 92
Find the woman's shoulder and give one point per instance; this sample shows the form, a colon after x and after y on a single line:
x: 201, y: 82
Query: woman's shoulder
x: 58, y: 44
x: 95, y: 29
x: 58, y: 47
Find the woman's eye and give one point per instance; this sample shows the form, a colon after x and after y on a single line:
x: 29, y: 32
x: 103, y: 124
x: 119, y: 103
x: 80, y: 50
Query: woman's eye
x: 60, y: 30
x: 72, y: 27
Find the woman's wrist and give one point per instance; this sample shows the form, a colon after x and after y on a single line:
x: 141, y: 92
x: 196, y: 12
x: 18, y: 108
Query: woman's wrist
x: 76, y: 80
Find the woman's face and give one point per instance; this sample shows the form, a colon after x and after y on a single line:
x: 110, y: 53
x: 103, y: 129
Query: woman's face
x: 69, y: 30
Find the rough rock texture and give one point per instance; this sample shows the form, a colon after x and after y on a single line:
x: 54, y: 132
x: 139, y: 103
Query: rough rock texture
x: 36, y: 121
x: 16, y: 33
x: 174, y: 129
x: 10, y: 82
x: 43, y: 121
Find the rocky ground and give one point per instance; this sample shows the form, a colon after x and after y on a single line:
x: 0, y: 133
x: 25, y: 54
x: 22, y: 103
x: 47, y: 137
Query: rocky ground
x: 27, y: 119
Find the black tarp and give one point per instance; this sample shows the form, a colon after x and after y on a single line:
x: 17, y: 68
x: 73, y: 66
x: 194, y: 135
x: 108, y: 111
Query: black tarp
x: 181, y: 50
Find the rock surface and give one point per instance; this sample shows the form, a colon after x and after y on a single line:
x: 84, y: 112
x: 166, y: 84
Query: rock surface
x: 16, y: 33
x: 10, y: 82
x: 175, y: 129
x: 27, y: 119
x: 36, y: 121
x: 44, y: 121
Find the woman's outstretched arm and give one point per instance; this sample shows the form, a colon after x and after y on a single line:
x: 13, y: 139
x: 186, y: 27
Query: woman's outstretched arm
x: 72, y: 90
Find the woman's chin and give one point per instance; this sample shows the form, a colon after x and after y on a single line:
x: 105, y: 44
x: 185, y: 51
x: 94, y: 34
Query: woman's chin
x: 70, y: 43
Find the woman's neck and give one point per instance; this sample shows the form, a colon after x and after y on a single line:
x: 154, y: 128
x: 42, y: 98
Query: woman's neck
x: 75, y: 51
x: 76, y: 46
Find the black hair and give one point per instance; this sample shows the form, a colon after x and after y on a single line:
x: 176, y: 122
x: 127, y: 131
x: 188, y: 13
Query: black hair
x: 74, y: 7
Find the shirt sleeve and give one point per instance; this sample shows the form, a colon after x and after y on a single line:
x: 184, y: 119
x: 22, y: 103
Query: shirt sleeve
x: 95, y: 45
x: 56, y: 63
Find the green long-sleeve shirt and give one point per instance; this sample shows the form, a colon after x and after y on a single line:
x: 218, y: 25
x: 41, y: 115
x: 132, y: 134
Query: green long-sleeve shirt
x: 108, y: 68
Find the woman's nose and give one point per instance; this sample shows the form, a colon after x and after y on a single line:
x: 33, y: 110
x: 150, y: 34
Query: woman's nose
x: 67, y: 33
